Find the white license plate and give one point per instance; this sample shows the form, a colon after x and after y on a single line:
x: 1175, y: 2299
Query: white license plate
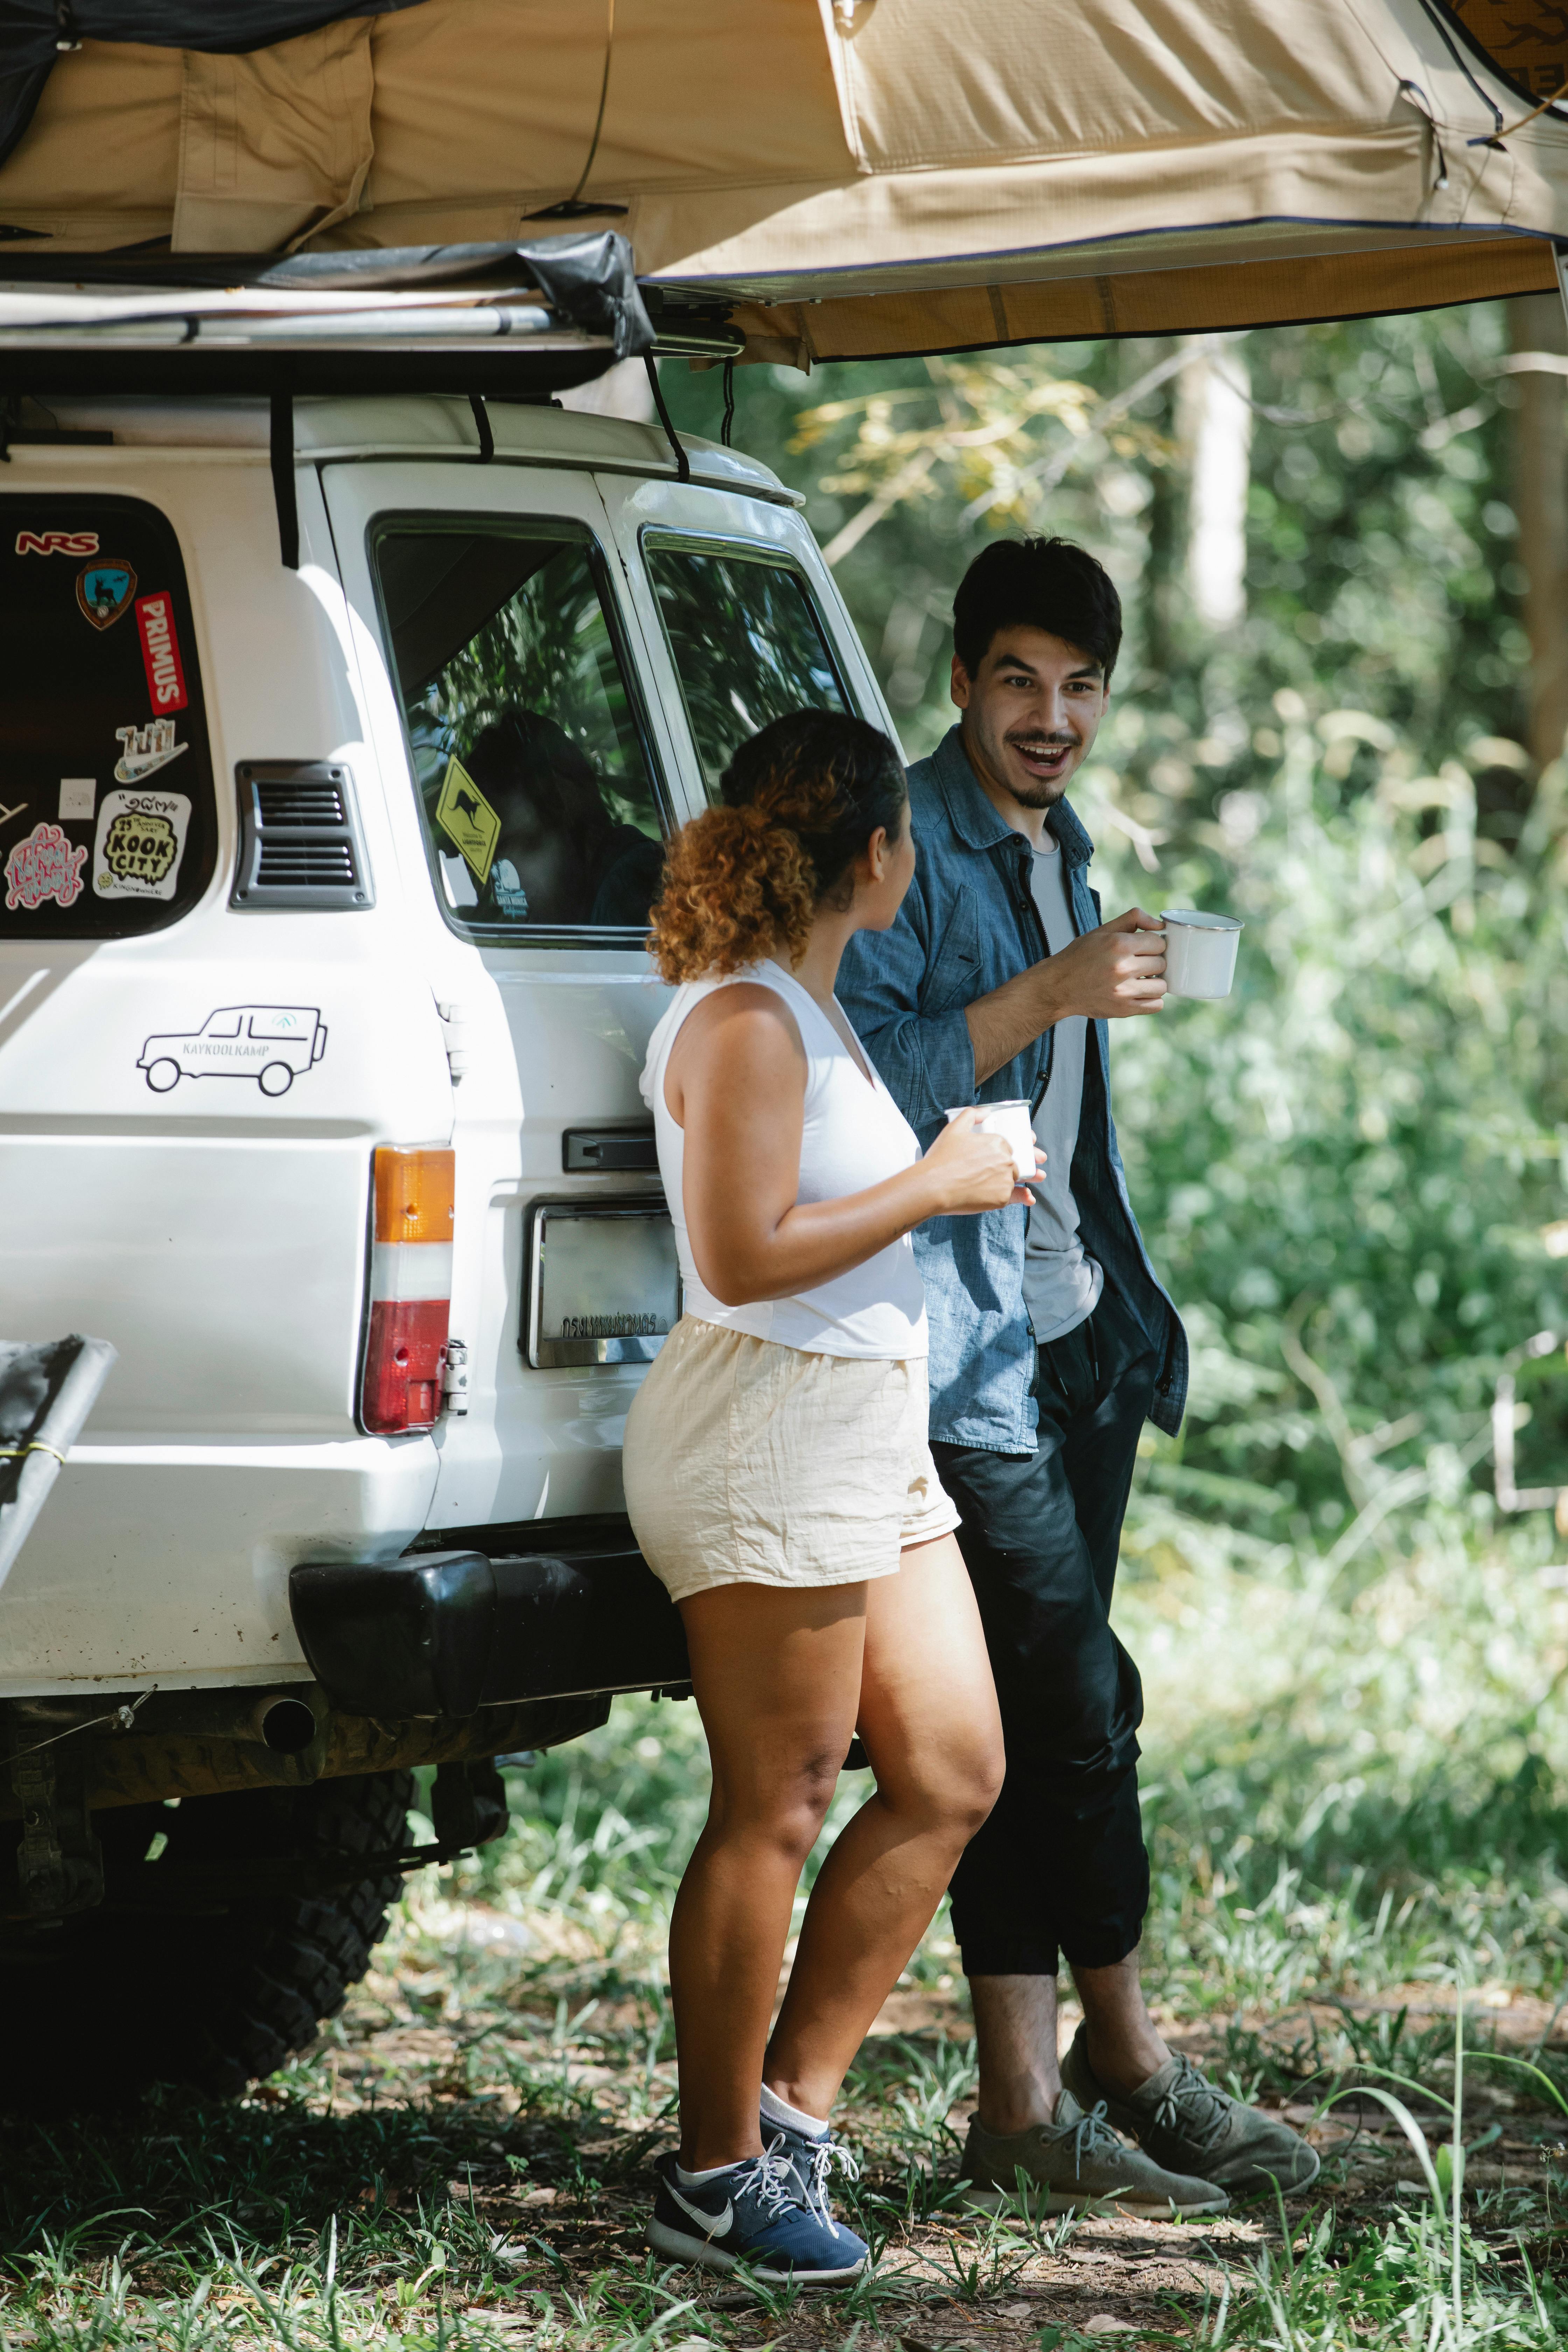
x: 604, y: 1283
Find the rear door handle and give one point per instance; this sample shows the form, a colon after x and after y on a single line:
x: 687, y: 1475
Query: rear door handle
x: 597, y: 1150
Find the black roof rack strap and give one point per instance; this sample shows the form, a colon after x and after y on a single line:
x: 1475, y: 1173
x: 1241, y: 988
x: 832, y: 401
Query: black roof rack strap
x: 682, y: 462
x: 283, y: 489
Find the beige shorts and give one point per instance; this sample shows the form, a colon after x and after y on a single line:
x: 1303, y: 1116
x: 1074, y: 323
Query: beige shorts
x: 747, y: 1462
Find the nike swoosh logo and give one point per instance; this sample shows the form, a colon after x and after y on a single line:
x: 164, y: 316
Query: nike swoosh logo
x: 712, y: 2225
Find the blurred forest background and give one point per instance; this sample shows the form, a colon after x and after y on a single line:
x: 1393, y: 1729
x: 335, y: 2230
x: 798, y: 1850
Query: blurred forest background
x: 1343, y: 555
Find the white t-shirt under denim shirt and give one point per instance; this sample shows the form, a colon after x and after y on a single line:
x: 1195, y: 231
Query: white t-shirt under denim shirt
x: 1061, y: 1282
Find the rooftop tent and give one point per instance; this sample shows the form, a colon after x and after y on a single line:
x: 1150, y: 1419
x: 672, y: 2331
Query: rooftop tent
x: 827, y: 178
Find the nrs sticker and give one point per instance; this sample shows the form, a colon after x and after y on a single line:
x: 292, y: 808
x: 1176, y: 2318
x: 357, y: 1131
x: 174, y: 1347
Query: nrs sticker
x: 140, y: 842
x: 463, y: 811
x: 44, y: 867
x: 161, y: 652
x: 56, y: 542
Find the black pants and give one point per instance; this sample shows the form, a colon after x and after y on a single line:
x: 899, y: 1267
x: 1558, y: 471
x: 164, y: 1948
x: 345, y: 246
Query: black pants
x: 1059, y: 1867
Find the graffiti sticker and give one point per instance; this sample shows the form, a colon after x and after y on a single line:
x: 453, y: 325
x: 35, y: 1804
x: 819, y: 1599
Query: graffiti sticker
x: 140, y: 842
x: 146, y: 749
x: 44, y: 867
x: 103, y: 590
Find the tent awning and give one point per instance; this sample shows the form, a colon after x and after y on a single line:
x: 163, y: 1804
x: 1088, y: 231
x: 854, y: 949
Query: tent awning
x: 850, y: 179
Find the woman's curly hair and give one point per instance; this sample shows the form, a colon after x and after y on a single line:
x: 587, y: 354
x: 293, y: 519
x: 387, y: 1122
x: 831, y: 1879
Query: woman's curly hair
x: 798, y: 803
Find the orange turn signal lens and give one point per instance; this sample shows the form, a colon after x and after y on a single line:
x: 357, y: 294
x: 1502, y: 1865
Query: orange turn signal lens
x: 414, y: 1194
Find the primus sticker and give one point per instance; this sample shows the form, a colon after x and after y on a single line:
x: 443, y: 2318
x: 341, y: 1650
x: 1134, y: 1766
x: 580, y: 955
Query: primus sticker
x: 56, y: 542
x: 161, y: 652
x: 139, y: 843
x: 272, y: 1044
x: 103, y: 590
x: 44, y: 867
x: 146, y: 749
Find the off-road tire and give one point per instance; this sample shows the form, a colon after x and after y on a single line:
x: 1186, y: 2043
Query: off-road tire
x: 110, y: 2001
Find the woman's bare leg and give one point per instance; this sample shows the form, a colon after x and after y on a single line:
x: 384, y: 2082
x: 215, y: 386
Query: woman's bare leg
x: 777, y: 1675
x: 928, y: 1722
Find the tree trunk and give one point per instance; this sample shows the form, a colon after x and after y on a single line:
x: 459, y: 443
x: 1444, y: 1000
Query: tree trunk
x: 1540, y: 499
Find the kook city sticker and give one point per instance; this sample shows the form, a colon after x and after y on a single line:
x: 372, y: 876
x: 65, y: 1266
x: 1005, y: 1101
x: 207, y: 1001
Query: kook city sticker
x: 44, y: 867
x: 146, y: 749
x: 140, y: 842
x: 56, y: 542
x: 273, y: 1044
x: 161, y: 651
x: 103, y: 589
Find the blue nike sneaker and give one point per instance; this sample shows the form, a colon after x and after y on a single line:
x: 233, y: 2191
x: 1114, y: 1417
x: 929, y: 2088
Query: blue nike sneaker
x: 753, y: 2212
x: 812, y: 2161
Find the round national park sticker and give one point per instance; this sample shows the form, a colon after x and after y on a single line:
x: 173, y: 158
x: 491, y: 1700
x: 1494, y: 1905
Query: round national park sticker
x: 1525, y: 42
x: 140, y: 842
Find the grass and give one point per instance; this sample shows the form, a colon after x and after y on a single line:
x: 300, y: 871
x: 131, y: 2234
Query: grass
x: 1352, y: 1811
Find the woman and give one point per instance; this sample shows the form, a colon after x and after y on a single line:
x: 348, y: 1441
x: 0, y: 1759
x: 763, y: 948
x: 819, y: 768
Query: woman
x: 780, y: 1483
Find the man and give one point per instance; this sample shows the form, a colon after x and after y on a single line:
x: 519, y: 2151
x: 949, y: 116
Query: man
x: 1051, y: 1342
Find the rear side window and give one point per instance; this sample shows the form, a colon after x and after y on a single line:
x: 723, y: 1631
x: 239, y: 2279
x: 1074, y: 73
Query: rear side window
x: 108, y: 824
x: 746, y: 640
x: 535, y: 783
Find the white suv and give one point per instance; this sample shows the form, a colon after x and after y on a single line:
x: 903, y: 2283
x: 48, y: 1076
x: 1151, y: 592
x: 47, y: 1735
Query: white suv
x: 376, y: 835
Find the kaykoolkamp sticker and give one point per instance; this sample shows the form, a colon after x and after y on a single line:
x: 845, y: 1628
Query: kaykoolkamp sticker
x: 44, y: 867
x: 140, y: 842
x: 146, y: 749
x: 103, y: 589
x: 273, y: 1044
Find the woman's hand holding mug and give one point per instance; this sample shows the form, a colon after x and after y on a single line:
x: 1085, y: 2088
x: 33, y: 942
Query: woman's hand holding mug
x: 973, y: 1168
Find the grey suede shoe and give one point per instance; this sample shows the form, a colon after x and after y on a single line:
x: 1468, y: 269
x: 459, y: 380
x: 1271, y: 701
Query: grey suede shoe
x: 1180, y: 2118
x: 1072, y: 2163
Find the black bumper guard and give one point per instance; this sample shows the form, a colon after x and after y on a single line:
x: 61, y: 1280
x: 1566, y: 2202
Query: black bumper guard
x: 445, y: 1632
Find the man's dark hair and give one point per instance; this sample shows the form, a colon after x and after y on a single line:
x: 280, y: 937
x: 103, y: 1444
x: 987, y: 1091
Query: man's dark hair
x: 1038, y: 584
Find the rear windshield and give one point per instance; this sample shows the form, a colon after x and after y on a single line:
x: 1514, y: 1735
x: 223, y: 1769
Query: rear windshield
x: 746, y: 640
x: 535, y: 784
x: 108, y: 825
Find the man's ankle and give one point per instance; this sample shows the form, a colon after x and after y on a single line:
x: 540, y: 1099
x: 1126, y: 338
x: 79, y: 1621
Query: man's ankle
x: 1019, y: 2108
x: 1122, y: 2065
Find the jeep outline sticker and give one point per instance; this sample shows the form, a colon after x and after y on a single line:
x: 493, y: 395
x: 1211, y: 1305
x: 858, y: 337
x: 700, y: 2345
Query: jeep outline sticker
x: 273, y: 1044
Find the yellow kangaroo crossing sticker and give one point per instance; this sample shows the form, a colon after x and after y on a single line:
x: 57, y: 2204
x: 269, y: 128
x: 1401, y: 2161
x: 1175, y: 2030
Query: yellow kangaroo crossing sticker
x: 463, y: 811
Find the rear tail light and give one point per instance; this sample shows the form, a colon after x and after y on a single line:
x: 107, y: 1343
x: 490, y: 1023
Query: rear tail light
x: 410, y: 1290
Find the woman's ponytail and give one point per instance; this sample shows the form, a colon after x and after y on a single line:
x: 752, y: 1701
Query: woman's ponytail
x: 799, y: 803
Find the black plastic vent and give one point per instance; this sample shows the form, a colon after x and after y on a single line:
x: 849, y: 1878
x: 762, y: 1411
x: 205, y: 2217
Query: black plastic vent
x: 300, y: 838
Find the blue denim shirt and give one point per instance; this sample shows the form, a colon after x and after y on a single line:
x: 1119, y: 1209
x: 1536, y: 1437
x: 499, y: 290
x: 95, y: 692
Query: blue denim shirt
x: 969, y: 923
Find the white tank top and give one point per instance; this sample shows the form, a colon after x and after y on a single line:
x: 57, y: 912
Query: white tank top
x: 854, y: 1136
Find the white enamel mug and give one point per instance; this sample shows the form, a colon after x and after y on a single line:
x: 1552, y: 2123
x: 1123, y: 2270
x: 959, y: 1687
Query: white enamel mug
x: 1200, y: 952
x: 1011, y: 1121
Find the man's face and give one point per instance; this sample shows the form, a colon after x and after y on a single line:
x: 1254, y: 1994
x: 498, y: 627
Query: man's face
x: 1030, y: 713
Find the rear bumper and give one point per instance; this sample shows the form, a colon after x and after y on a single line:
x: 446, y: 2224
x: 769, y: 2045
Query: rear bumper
x: 445, y: 1632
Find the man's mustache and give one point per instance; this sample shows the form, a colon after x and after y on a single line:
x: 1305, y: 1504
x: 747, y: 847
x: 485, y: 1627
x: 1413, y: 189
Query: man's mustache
x: 1043, y: 742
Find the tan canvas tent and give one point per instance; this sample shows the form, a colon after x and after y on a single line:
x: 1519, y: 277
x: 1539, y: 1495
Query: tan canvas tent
x: 841, y: 178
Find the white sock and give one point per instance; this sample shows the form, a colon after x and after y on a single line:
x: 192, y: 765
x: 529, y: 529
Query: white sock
x: 779, y: 2111
x: 695, y: 2179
